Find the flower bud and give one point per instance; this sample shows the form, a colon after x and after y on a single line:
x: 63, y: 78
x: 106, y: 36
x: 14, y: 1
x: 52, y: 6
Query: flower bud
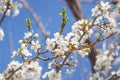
x: 36, y: 35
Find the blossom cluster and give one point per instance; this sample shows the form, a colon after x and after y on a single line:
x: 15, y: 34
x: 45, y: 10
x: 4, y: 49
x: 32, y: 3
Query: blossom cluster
x: 106, y: 16
x: 53, y: 75
x: 8, y: 5
x: 103, y: 64
x: 74, y: 39
x: 83, y: 29
x: 27, y: 43
x: 26, y: 71
x: 29, y: 70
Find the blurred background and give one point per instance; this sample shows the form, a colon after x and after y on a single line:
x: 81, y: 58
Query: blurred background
x: 47, y: 11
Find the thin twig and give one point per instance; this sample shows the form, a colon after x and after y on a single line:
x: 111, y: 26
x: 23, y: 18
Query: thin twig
x: 49, y: 58
x: 4, y: 14
x: 43, y: 52
x: 94, y: 43
x: 113, y: 77
x: 37, y: 56
x: 62, y: 64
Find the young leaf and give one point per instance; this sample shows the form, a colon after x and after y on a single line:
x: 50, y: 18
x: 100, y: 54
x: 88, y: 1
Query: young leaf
x: 28, y: 22
x: 63, y: 12
x: 118, y: 8
x: 99, y: 36
x: 64, y: 20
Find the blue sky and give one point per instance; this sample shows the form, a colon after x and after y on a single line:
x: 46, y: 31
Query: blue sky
x: 48, y: 11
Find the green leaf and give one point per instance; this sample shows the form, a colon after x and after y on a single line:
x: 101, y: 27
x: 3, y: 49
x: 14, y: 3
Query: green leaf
x: 63, y: 14
x: 64, y: 20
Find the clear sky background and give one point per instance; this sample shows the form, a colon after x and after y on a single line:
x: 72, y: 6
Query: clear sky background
x: 48, y: 11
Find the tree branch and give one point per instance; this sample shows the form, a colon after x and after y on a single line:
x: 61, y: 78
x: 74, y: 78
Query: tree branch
x: 4, y: 14
x: 113, y: 77
x: 75, y: 6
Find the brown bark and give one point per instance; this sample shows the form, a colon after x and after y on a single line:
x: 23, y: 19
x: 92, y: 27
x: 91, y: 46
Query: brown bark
x: 76, y: 9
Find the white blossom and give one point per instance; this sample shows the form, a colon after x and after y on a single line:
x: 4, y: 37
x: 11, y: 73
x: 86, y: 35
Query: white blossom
x: 36, y: 35
x: 50, y: 44
x: 8, y: 12
x: 96, y: 76
x: 26, y: 52
x: 21, y: 41
x: 14, y: 53
x: 83, y: 53
x: 16, y: 12
x: 118, y: 72
x: 24, y: 45
x: 52, y: 75
x: 98, y: 20
x: 58, y: 51
x: 58, y: 37
x: 69, y: 36
x: 113, y: 73
x: 74, y: 41
x: 64, y: 45
x: 96, y: 11
x: 103, y: 62
x: 27, y: 35
x: 14, y: 65
x: 108, y: 31
x: 50, y: 64
x: 31, y: 71
x: 1, y: 34
x: 35, y: 46
x: 70, y: 71
x: 26, y: 71
x: 13, y: 7
x: 2, y: 77
x: 105, y: 5
x: 21, y: 51
x: 101, y: 9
